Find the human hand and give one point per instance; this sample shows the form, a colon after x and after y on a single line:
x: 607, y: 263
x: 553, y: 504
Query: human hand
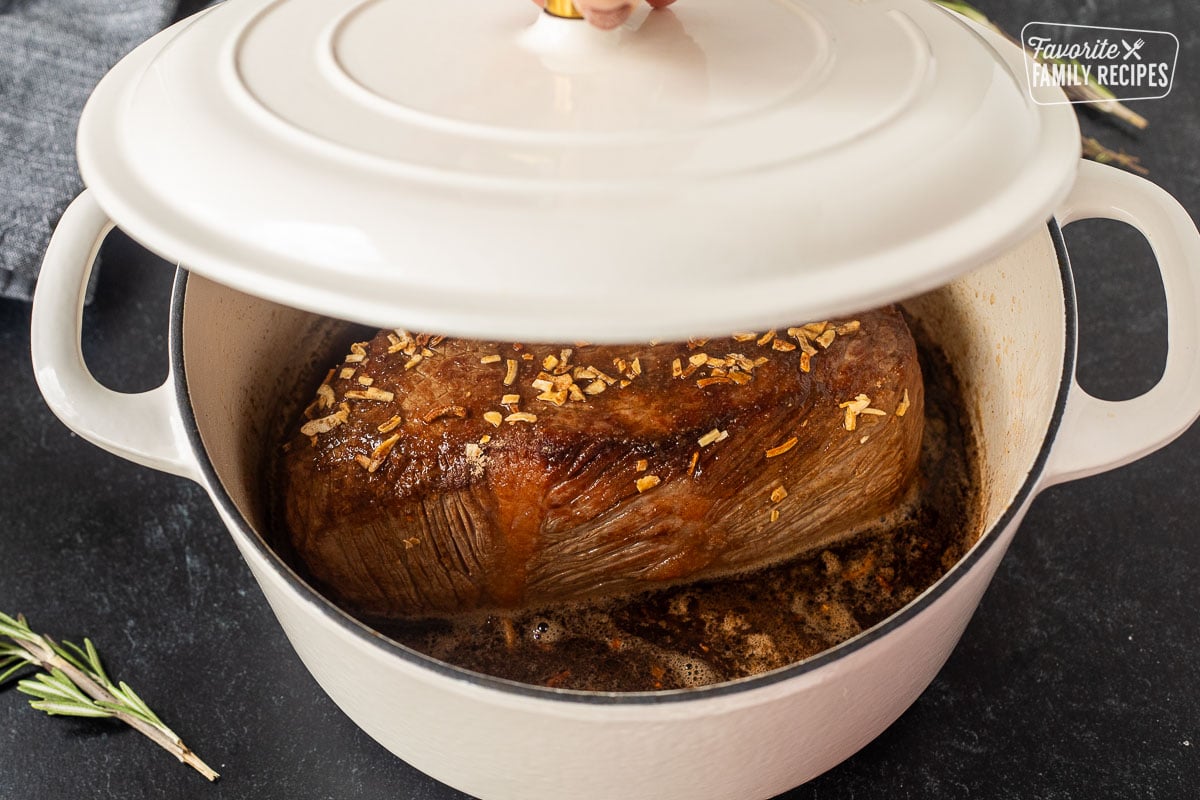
x: 608, y: 14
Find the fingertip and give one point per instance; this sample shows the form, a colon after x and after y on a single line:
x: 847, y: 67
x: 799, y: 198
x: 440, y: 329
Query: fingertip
x: 605, y: 18
x: 660, y: 3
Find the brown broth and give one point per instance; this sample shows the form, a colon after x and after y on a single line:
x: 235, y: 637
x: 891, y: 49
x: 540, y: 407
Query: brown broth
x: 719, y: 630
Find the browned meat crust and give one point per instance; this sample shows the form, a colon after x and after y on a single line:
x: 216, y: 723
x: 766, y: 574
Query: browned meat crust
x: 620, y: 468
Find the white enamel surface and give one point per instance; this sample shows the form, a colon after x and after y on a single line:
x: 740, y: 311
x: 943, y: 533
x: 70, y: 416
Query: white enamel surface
x: 478, y: 168
x: 145, y: 428
x: 1102, y: 434
x: 752, y: 744
x: 1003, y: 327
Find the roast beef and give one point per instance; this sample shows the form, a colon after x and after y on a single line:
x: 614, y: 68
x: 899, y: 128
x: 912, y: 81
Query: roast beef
x: 437, y: 475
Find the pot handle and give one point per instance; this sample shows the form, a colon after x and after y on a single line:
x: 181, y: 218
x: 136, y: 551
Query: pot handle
x: 145, y: 428
x: 1098, y: 435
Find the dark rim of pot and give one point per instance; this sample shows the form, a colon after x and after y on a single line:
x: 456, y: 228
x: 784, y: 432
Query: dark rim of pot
x: 904, y: 616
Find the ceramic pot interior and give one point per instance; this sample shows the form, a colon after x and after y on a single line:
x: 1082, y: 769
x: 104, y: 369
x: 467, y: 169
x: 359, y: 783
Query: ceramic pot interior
x: 251, y: 364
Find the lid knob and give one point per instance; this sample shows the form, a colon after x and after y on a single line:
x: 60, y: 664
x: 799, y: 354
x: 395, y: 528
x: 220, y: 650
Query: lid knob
x: 563, y: 8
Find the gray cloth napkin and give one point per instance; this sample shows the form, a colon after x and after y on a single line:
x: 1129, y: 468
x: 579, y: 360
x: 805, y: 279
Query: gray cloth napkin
x: 52, y: 54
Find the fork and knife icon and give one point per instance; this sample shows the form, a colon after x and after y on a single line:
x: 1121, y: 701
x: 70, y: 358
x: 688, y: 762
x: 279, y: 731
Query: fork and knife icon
x: 1132, y: 49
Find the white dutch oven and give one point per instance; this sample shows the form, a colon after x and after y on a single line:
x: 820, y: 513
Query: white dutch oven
x: 1008, y: 325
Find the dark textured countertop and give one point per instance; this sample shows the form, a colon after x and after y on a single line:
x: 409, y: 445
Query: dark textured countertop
x: 1079, y: 677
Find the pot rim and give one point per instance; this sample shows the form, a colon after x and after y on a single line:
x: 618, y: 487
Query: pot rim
x: 905, y: 615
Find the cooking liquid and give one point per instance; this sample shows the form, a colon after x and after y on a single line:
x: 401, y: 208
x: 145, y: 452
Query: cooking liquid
x: 723, y: 629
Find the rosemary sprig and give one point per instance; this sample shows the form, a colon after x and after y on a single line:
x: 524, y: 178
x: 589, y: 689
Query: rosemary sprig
x: 1094, y: 150
x: 1102, y: 99
x: 74, y: 684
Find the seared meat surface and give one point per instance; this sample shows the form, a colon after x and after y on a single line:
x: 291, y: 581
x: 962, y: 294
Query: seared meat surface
x: 441, y: 475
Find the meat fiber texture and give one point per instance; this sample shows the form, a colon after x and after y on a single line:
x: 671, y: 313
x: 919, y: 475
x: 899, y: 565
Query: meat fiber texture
x: 418, y: 483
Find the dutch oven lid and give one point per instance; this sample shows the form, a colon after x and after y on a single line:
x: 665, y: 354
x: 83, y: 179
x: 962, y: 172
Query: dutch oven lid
x: 479, y: 167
